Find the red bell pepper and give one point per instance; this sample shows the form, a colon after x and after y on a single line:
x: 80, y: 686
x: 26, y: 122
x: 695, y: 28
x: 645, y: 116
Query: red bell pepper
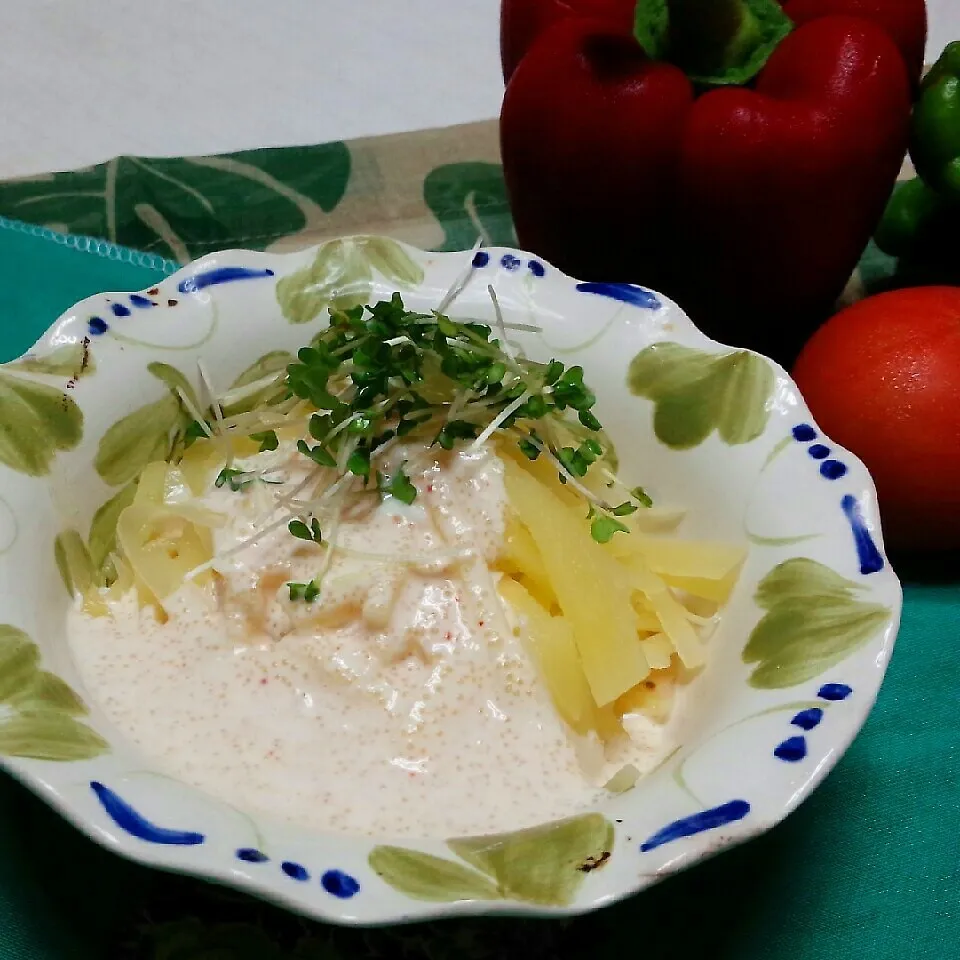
x: 749, y: 204
x: 522, y: 21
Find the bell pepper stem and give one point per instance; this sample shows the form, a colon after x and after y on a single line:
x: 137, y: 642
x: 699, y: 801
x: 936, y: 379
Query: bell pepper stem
x: 713, y: 41
x: 708, y: 35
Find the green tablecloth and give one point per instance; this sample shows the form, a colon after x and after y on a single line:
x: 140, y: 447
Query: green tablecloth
x: 869, y: 867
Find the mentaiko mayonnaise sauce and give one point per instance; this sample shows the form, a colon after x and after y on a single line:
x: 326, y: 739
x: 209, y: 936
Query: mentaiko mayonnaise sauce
x: 398, y: 703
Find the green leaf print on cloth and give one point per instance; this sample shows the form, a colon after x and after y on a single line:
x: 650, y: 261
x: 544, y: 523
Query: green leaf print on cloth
x: 470, y: 201
x: 182, y: 208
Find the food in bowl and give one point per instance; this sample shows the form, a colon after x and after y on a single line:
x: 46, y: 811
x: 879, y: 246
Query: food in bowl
x: 397, y: 588
x: 718, y: 434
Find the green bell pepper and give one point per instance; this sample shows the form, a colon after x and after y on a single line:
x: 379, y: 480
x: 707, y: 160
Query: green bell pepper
x: 918, y: 222
x: 935, y: 146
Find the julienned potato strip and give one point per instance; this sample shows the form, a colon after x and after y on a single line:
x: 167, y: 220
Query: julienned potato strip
x: 602, y: 622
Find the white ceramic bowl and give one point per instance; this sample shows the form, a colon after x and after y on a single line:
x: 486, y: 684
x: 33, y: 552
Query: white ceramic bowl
x: 793, y: 671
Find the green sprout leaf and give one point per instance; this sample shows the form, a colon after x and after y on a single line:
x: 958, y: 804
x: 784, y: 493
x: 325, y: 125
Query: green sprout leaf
x: 237, y: 479
x: 602, y: 529
x: 303, y: 532
x: 267, y: 440
x: 317, y: 454
x: 358, y: 463
x: 307, y: 592
x: 399, y: 487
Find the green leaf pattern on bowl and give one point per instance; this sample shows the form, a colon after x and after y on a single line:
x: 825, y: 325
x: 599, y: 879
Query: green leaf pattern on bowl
x: 73, y: 561
x: 813, y: 621
x: 341, y: 276
x: 72, y: 360
x: 83, y: 564
x: 173, y: 380
x: 38, y: 710
x: 544, y: 865
x: 426, y: 877
x: 147, y: 433
x: 38, y: 422
x: 695, y: 393
x: 133, y: 442
x: 103, y: 528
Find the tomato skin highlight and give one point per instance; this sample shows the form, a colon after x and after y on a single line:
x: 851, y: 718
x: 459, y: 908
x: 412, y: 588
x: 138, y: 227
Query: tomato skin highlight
x: 882, y: 378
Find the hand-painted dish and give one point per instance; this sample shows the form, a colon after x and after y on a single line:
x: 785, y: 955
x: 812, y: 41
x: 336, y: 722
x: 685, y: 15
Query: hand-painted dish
x: 793, y: 670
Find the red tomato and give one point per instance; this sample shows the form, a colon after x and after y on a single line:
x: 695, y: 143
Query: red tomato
x: 882, y: 378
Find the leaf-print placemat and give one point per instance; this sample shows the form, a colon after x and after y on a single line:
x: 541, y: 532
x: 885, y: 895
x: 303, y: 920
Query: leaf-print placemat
x: 437, y: 189
x: 868, y: 867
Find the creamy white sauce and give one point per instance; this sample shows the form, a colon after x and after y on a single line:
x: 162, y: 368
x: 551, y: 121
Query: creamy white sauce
x: 398, y: 704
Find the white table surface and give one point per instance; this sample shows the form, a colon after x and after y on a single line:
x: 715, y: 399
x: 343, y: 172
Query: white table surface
x: 84, y: 81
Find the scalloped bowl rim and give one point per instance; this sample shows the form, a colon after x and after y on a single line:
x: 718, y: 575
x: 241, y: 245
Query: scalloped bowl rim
x: 53, y: 783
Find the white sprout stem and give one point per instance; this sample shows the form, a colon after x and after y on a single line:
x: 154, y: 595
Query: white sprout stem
x: 315, y: 505
x: 340, y: 427
x: 237, y: 394
x: 613, y: 478
x: 424, y: 321
x: 384, y: 448
x: 344, y: 454
x: 504, y: 342
x: 264, y: 502
x: 489, y: 401
x: 214, y: 404
x: 351, y: 345
x: 504, y: 414
x: 458, y: 405
x: 262, y: 426
x: 195, y: 413
x: 291, y: 497
x: 239, y: 421
x: 207, y: 382
x: 257, y: 535
x: 331, y: 540
x: 281, y: 410
x: 463, y: 278
x: 240, y: 546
